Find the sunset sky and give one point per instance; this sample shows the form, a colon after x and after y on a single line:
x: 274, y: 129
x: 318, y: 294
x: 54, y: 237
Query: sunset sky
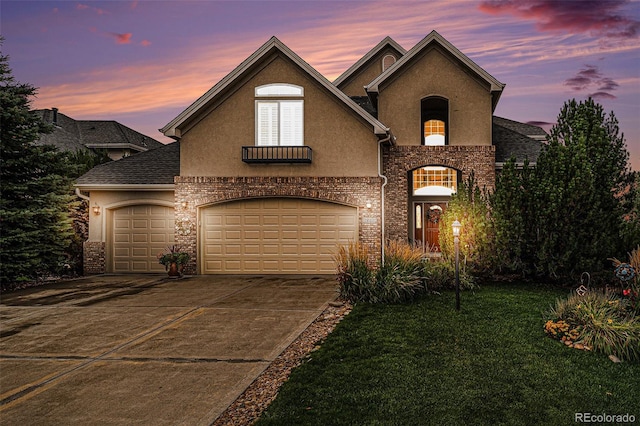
x: 142, y: 62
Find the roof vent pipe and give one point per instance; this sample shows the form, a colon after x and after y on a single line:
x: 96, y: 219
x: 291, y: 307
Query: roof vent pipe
x: 55, y: 115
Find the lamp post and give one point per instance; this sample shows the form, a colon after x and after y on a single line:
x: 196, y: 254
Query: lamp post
x: 456, y: 242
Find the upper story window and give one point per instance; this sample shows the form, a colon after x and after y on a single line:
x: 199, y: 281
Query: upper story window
x: 387, y: 61
x: 435, y: 121
x: 434, y: 132
x: 279, y: 89
x: 279, y: 115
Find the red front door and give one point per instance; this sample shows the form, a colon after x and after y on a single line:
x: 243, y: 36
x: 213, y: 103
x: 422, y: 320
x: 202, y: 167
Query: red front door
x: 426, y: 223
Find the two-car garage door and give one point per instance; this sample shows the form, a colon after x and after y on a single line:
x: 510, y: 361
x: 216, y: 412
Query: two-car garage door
x: 274, y: 235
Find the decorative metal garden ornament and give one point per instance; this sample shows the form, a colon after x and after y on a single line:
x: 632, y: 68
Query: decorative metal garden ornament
x: 625, y: 272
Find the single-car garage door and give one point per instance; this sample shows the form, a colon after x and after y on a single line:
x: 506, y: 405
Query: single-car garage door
x: 138, y: 234
x: 274, y: 235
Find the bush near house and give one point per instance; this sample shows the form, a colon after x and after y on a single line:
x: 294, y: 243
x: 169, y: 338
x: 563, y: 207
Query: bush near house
x: 575, y: 207
x: 403, y: 275
x: 567, y: 215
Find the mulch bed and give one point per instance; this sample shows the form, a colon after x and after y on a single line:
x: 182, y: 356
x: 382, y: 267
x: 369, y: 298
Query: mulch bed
x: 256, y: 398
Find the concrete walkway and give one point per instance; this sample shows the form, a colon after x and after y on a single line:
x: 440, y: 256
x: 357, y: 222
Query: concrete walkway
x: 114, y: 350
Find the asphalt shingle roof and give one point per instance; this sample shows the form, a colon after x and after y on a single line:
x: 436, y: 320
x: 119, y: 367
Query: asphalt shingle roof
x: 156, y: 166
x: 70, y: 134
x: 520, y: 140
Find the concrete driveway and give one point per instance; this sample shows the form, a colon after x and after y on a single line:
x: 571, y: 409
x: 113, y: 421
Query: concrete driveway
x: 113, y: 350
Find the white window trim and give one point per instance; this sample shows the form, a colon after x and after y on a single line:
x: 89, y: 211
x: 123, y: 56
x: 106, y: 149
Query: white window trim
x: 280, y: 122
x: 279, y: 89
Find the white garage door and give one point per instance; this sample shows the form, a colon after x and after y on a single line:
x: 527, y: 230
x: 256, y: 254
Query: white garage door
x: 274, y: 235
x: 139, y: 233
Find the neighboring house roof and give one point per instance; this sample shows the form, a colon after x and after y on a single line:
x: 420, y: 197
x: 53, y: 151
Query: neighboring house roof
x: 172, y: 128
x: 435, y: 38
x: 155, y: 167
x: 70, y: 134
x: 365, y: 103
x: 386, y: 42
x: 514, y: 139
x: 530, y: 130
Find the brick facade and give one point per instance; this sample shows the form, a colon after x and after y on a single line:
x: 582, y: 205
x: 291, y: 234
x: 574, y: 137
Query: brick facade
x: 94, y: 257
x: 398, y: 161
x: 194, y: 192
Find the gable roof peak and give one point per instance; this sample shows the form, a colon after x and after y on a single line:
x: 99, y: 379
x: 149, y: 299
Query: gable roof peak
x: 171, y: 129
x: 435, y: 37
x: 387, y: 41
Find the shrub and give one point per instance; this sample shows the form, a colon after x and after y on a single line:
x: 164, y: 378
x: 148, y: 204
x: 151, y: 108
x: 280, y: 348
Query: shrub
x: 603, y: 322
x: 355, y: 276
x: 400, y: 277
x: 440, y: 275
x: 403, y: 276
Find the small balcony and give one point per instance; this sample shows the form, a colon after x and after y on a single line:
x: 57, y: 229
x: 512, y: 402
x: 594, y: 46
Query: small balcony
x: 276, y: 154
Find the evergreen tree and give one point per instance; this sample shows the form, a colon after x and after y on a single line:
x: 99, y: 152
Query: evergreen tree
x: 580, y: 176
x: 511, y: 212
x: 35, y: 188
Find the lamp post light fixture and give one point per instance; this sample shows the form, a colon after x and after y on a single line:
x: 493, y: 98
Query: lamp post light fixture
x: 456, y: 242
x: 96, y: 209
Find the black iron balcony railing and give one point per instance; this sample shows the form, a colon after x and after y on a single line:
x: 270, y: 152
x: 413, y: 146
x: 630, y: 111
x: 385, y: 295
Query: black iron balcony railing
x: 276, y: 154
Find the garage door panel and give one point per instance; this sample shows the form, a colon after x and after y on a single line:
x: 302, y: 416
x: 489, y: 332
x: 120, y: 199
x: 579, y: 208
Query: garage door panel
x: 232, y: 249
x: 251, y: 220
x: 233, y: 234
x: 139, y: 238
x: 159, y: 238
x: 251, y: 249
x: 138, y: 234
x: 283, y: 235
x: 140, y: 252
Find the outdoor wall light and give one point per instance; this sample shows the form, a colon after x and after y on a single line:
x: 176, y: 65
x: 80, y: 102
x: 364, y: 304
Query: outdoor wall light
x: 184, y: 204
x: 456, y: 242
x: 96, y: 209
x: 368, y: 204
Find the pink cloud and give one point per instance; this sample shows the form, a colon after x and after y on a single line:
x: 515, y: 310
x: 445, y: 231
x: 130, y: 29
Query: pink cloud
x: 122, y: 38
x: 589, y: 76
x: 97, y: 10
x: 602, y: 95
x: 145, y: 43
x: 600, y: 18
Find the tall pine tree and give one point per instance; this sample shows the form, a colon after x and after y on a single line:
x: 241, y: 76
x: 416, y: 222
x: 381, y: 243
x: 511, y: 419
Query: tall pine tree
x: 581, y: 174
x: 35, y: 189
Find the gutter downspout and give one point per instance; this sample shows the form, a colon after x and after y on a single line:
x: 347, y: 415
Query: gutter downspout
x: 81, y: 195
x: 384, y: 178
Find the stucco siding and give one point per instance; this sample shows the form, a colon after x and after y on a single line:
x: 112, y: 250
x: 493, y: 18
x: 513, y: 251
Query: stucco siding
x: 435, y: 74
x: 354, y: 86
x: 342, y: 144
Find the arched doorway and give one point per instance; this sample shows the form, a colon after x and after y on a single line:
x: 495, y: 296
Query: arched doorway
x: 430, y: 189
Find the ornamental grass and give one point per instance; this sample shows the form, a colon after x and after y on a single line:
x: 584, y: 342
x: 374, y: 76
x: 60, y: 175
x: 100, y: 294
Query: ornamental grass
x: 599, y: 320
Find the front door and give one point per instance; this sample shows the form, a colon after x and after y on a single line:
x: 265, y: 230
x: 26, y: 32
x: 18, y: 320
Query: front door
x: 426, y: 222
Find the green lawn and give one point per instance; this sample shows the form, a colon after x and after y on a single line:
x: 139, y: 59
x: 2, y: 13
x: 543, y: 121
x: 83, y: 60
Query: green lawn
x: 425, y: 363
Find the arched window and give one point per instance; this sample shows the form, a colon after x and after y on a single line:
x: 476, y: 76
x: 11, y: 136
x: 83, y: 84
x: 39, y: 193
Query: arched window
x: 279, y: 89
x: 435, y: 180
x: 387, y: 61
x: 279, y: 115
x: 435, y: 121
